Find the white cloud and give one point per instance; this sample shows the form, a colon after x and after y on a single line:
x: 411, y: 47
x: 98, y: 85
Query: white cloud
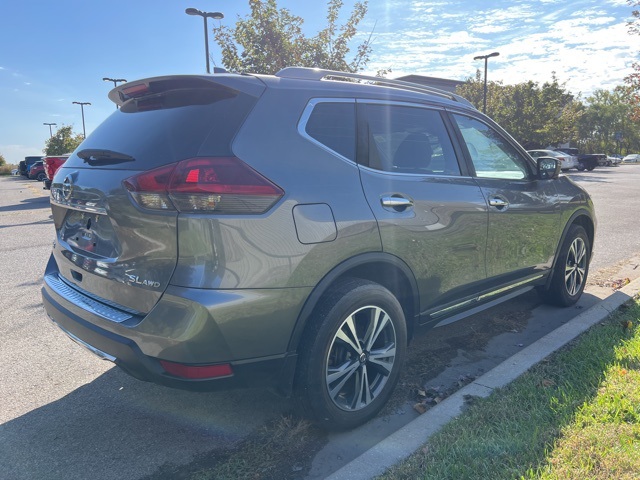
x: 585, y: 42
x: 14, y: 153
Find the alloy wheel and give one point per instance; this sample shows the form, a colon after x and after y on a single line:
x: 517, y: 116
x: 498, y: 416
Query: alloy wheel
x: 575, y: 269
x: 361, y: 358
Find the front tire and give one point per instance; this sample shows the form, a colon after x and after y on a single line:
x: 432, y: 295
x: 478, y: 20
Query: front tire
x: 571, y: 270
x: 351, y: 355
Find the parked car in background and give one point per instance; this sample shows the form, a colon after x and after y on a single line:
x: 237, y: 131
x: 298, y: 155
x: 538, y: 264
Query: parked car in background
x: 294, y: 230
x: 25, y: 164
x: 567, y: 162
x: 603, y: 161
x: 631, y: 158
x: 614, y: 160
x: 51, y: 165
x: 36, y: 172
x: 586, y: 161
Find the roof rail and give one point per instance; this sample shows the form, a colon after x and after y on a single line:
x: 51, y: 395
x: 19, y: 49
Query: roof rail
x: 304, y: 73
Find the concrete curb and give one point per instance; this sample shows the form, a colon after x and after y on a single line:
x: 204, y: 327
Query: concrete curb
x: 411, y: 437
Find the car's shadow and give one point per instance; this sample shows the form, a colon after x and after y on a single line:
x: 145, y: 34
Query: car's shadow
x: 116, y: 427
x: 27, y: 204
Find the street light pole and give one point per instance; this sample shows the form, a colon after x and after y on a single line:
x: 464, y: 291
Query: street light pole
x: 205, y: 15
x: 82, y: 104
x: 50, y: 132
x: 485, y: 58
x: 115, y: 83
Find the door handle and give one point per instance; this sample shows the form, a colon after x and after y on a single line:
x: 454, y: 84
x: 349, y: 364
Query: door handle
x: 396, y: 202
x: 498, y: 202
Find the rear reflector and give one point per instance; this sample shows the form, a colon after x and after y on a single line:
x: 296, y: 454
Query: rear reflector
x: 194, y: 372
x: 224, y: 185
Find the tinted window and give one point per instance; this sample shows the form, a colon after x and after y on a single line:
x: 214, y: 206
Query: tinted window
x: 409, y: 140
x: 172, y: 132
x: 333, y: 124
x: 491, y: 154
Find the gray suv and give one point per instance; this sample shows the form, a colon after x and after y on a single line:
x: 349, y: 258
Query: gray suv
x: 292, y: 231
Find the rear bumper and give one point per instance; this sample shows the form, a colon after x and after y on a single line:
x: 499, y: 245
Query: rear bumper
x: 137, y: 344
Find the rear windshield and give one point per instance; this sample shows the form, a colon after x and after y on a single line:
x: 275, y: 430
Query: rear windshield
x: 169, y: 127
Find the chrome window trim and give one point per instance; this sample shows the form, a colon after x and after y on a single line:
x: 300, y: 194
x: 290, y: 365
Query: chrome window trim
x: 421, y: 175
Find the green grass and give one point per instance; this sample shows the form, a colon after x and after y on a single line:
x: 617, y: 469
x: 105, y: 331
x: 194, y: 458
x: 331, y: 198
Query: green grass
x: 574, y: 416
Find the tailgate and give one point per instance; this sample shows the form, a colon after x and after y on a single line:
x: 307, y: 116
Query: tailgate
x: 109, y: 246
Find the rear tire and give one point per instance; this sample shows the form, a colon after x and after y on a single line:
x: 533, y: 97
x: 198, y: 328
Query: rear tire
x: 571, y: 270
x: 351, y: 355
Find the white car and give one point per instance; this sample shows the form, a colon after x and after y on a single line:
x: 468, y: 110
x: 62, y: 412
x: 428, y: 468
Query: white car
x: 614, y: 160
x: 567, y: 161
x: 632, y: 158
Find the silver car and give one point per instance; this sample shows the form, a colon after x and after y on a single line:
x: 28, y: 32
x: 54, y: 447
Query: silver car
x: 293, y: 231
x: 567, y: 162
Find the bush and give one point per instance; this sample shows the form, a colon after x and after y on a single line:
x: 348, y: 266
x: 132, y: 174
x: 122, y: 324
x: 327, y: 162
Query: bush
x: 6, y: 169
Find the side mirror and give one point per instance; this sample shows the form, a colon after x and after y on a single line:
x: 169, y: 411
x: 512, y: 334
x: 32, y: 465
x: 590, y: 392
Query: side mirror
x: 548, y: 168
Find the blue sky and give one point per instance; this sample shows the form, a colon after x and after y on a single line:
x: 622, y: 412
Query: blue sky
x: 54, y: 53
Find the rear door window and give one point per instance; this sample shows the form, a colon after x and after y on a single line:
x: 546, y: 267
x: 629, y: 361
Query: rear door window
x: 406, y: 139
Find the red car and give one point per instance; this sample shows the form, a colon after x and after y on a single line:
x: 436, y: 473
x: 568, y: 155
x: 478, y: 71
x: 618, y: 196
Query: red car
x: 36, y: 172
x: 51, y: 165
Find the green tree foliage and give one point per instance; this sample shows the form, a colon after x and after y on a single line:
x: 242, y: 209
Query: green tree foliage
x: 607, y: 124
x: 536, y: 115
x: 63, y: 141
x: 2, y: 160
x: 271, y: 38
x: 633, y: 79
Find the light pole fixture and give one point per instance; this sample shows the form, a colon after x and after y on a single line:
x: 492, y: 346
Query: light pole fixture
x: 205, y: 15
x: 485, y: 58
x: 82, y: 104
x: 50, y: 125
x: 115, y: 83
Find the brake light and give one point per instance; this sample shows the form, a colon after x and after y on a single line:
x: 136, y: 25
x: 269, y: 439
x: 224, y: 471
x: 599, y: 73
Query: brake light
x: 224, y: 185
x: 136, y: 90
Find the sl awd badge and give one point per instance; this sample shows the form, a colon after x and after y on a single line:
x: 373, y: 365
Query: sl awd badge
x: 136, y: 280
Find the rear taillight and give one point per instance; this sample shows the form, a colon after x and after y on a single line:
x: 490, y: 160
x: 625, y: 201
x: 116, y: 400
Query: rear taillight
x: 224, y: 185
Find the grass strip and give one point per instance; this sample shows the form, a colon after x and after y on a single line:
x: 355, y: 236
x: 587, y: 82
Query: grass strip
x: 576, y: 415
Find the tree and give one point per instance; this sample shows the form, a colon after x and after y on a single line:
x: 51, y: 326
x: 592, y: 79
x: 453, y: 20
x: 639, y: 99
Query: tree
x: 2, y: 160
x: 537, y: 116
x: 606, y: 122
x: 63, y: 141
x: 633, y: 79
x: 271, y: 38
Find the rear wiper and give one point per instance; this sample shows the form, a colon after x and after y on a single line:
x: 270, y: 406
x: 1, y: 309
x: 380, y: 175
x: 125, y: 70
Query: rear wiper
x: 103, y: 157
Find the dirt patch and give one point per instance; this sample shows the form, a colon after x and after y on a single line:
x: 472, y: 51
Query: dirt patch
x: 431, y: 352
x: 281, y: 450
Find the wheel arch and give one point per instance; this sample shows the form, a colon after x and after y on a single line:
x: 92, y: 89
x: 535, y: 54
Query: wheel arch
x: 583, y: 218
x: 382, y: 268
